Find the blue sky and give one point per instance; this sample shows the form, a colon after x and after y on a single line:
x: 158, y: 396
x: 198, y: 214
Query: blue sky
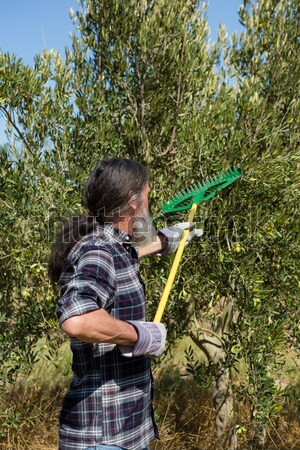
x: 29, y: 26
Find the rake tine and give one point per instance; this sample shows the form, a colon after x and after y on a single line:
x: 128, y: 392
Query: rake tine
x: 196, y: 192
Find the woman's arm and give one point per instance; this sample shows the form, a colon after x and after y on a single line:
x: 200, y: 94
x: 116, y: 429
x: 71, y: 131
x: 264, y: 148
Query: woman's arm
x: 168, y: 239
x: 99, y: 327
x: 157, y: 246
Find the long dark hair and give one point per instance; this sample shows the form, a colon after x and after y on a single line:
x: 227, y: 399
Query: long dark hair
x: 112, y: 186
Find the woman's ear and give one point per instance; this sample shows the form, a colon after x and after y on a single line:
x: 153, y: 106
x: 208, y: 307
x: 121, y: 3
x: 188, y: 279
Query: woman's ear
x: 134, y: 203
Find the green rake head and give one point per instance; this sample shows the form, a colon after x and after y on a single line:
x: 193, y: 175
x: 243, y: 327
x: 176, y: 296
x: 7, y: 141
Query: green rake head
x: 200, y: 192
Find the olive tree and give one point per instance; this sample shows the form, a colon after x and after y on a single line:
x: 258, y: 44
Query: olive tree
x: 250, y: 275
x: 139, y: 80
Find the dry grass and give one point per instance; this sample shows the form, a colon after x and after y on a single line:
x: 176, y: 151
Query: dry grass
x: 186, y: 420
x: 34, y: 414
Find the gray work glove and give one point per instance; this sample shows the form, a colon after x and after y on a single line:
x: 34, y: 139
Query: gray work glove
x: 151, y: 339
x: 172, y: 236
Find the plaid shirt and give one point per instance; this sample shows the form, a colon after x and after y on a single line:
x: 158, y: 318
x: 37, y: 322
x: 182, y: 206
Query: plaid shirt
x: 109, y: 400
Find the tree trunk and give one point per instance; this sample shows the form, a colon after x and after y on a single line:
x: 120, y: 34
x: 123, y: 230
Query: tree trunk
x: 259, y: 437
x: 223, y: 406
x: 210, y: 341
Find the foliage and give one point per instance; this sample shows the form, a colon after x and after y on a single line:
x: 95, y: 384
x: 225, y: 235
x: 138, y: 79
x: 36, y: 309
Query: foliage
x: 34, y: 191
x: 266, y: 63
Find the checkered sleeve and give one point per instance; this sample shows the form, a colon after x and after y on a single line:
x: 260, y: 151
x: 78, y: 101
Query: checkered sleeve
x: 92, y: 285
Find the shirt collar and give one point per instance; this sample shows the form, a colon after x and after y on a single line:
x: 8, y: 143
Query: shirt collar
x: 115, y: 233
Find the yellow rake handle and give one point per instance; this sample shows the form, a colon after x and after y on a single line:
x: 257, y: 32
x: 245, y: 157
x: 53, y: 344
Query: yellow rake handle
x: 174, y: 268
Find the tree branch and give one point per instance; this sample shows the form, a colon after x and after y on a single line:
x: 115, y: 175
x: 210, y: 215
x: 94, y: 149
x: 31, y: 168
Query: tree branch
x: 9, y: 119
x: 178, y: 96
